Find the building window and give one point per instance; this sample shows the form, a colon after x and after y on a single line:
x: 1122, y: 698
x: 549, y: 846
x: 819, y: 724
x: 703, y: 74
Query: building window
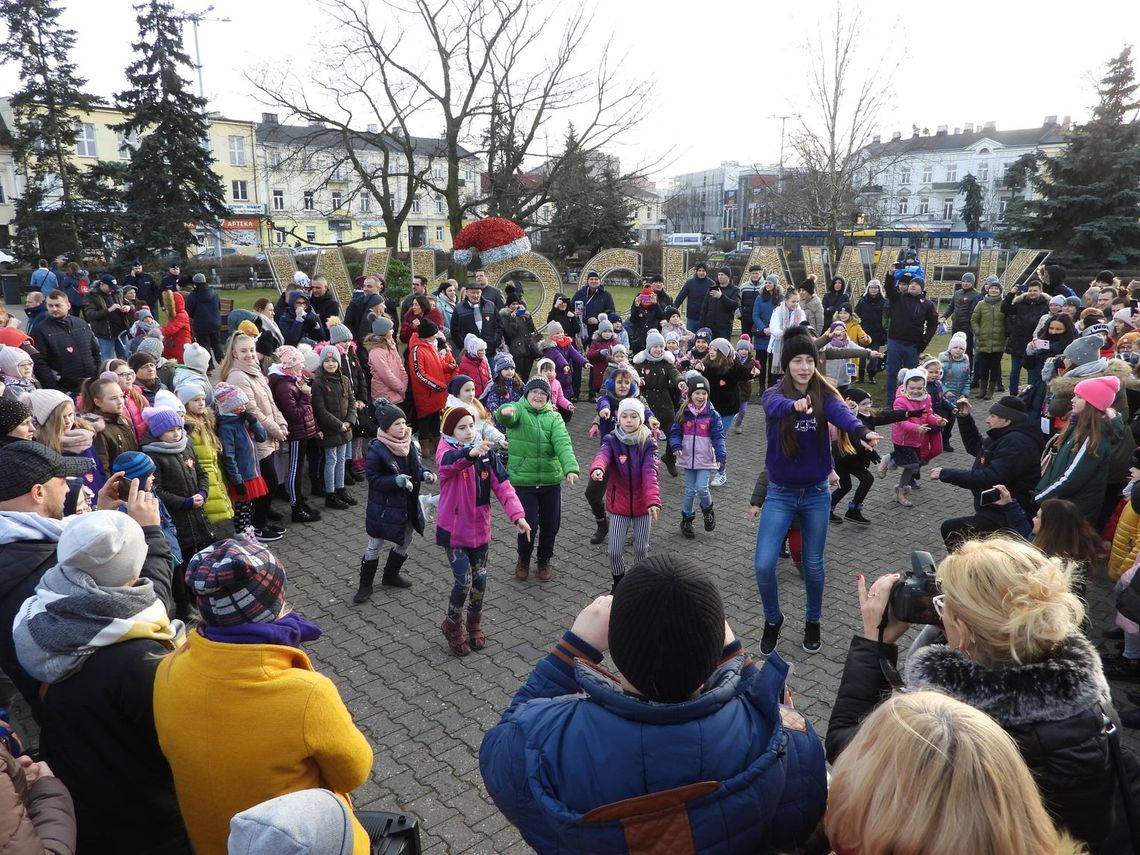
x: 278, y: 200
x: 309, y: 202
x: 469, y: 175
x: 416, y: 205
x: 951, y: 172
x: 366, y: 232
x: 275, y: 157
x: 927, y: 173
x: 924, y: 205
x: 904, y: 205
x: 904, y: 176
x: 124, y: 144
x: 240, y: 191
x: 279, y: 236
x: 948, y: 209
x: 310, y: 233
x: 237, y: 151
x: 983, y: 172
x: 3, y: 198
x: 337, y: 199
x: 439, y: 234
x: 437, y: 170
x: 439, y: 204
x: 365, y: 201
x: 1003, y: 206
x: 85, y: 140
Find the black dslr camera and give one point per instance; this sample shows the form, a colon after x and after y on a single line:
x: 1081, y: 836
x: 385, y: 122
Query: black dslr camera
x: 912, y: 598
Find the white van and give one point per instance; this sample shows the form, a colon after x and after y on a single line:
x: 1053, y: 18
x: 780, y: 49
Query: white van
x: 689, y: 239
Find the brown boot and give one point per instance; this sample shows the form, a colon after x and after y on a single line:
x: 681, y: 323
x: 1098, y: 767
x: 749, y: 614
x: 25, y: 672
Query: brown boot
x: 456, y: 640
x: 475, y: 635
x: 522, y: 569
x: 545, y: 572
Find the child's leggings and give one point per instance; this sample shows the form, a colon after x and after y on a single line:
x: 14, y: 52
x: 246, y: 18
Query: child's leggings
x: 620, y: 526
x: 375, y: 544
x: 846, y: 473
x: 469, y: 569
x: 243, y: 516
x: 335, y: 459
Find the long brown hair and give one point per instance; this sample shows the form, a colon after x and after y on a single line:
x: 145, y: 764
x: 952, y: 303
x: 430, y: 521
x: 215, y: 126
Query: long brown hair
x: 818, y: 387
x: 1065, y: 533
x: 1086, y: 429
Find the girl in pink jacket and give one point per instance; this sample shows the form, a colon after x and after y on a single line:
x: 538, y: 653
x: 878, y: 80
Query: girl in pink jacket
x: 469, y: 471
x: 918, y: 438
x: 633, y: 497
x: 546, y: 369
x: 385, y: 365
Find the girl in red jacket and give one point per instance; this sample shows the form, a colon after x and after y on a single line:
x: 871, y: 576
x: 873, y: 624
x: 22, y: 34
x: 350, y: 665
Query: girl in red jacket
x: 469, y: 471
x: 176, y: 333
x: 632, y: 494
x: 474, y: 363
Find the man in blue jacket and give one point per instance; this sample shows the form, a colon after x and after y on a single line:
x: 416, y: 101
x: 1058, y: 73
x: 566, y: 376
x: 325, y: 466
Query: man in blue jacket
x: 596, y: 302
x: 689, y: 750
x: 695, y: 291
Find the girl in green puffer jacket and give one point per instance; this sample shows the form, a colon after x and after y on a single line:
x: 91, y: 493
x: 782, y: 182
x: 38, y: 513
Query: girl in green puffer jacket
x: 988, y: 324
x: 541, y: 456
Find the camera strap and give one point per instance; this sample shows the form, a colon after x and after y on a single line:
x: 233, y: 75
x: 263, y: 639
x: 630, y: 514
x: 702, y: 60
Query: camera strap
x: 890, y: 673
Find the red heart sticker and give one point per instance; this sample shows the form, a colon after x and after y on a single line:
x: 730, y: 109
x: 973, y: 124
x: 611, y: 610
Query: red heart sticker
x: 70, y: 349
x: 622, y: 458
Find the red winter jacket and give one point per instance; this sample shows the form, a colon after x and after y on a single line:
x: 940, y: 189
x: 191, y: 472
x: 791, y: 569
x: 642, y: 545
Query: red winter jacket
x: 632, y: 488
x: 478, y: 370
x: 429, y: 369
x: 176, y: 333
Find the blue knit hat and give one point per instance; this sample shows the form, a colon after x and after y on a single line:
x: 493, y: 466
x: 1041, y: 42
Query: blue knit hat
x: 502, y: 362
x: 133, y: 464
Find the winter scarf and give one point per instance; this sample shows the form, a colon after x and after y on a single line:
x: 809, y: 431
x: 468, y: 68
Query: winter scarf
x: 287, y: 631
x: 399, y: 447
x: 159, y: 447
x: 637, y: 438
x: 70, y: 617
x: 1089, y: 369
x: 76, y: 441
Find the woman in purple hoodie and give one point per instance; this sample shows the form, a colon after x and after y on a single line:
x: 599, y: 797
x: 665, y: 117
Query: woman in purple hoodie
x: 799, y: 463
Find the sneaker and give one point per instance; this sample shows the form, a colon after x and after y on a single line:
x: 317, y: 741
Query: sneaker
x: 771, y: 636
x: 811, y: 637
x: 948, y: 447
x: 427, y: 507
x: 784, y: 551
x: 274, y: 529
x: 916, y: 484
x: 856, y: 516
x: 738, y: 429
x: 902, y: 497
x: 835, y: 518
x: 883, y: 466
x: 718, y: 480
x: 264, y: 535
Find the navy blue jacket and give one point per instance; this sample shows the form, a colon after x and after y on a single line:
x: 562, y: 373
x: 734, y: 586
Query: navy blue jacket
x: 205, y: 309
x: 596, y: 305
x: 239, y: 454
x: 694, y: 291
x: 390, y: 507
x: 747, y: 774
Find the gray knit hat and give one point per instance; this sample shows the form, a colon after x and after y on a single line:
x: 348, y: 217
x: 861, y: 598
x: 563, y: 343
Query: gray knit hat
x: 1084, y: 350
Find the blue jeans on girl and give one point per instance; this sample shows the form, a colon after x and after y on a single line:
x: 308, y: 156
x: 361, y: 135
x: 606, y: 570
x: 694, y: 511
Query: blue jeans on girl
x: 696, y: 484
x: 813, y: 504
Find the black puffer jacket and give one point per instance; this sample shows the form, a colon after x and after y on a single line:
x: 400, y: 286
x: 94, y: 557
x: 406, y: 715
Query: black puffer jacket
x: 1021, y: 320
x: 1051, y: 709
x: 177, y: 478
x: 1009, y: 456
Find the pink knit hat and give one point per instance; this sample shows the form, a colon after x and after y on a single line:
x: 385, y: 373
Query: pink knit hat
x: 1100, y: 392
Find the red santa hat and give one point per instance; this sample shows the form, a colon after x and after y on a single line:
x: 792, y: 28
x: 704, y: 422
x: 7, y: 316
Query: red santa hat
x: 494, y: 238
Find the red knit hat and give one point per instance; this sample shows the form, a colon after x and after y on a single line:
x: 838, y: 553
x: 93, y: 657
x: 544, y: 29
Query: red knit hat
x: 494, y: 238
x: 1100, y: 392
x: 646, y: 295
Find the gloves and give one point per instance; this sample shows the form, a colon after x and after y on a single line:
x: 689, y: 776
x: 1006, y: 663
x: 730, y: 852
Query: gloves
x: 429, y: 477
x: 405, y: 483
x: 240, y: 489
x: 249, y: 417
x: 605, y: 351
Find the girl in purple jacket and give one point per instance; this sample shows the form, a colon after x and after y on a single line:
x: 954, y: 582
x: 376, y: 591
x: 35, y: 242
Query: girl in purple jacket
x: 628, y: 455
x: 697, y: 440
x: 469, y: 470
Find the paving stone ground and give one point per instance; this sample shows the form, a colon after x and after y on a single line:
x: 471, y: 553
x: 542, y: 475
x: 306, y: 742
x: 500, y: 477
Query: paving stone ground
x: 425, y: 710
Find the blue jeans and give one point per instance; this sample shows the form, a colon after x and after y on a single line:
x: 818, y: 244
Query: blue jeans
x: 106, y: 348
x: 696, y: 484
x: 813, y: 504
x: 900, y: 354
x: 693, y: 324
x: 335, y: 459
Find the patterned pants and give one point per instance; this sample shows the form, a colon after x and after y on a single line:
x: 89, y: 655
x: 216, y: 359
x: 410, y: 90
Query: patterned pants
x: 619, y: 527
x: 469, y: 567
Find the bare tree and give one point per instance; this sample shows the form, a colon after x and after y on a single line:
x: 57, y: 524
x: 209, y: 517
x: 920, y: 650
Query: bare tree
x: 490, y: 79
x: 684, y: 209
x: 849, y: 89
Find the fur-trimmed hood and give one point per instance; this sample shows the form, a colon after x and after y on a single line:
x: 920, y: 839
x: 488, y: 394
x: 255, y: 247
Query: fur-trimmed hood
x: 1118, y: 368
x: 1069, y: 682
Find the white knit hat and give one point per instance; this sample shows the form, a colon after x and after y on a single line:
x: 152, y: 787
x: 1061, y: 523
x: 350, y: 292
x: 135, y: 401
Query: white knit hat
x: 631, y: 404
x: 107, y: 545
x: 44, y: 401
x: 957, y: 340
x: 196, y: 357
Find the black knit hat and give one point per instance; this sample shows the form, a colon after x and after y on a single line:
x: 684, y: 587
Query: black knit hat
x: 1010, y: 407
x: 12, y: 415
x: 666, y: 628
x: 797, y: 342
x: 427, y: 328
x: 854, y: 393
x: 386, y: 413
x: 539, y: 384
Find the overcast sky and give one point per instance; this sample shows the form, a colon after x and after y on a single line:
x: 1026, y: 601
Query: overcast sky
x: 722, y: 71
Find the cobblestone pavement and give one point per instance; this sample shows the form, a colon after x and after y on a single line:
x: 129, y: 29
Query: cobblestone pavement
x: 425, y: 710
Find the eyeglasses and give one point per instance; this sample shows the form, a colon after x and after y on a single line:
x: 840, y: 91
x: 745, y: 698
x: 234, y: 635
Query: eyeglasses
x: 939, y: 603
x: 125, y: 374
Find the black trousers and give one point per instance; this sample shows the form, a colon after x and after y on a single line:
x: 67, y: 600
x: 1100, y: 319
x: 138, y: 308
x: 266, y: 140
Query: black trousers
x: 596, y: 496
x: 846, y: 473
x: 542, y: 507
x: 261, y: 506
x: 958, y: 529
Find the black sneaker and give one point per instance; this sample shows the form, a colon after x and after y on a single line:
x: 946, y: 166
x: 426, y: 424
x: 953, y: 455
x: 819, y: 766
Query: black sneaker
x: 784, y: 551
x: 771, y: 636
x: 274, y: 529
x: 811, y: 637
x: 856, y: 516
x: 264, y: 535
x: 835, y: 518
x: 948, y: 447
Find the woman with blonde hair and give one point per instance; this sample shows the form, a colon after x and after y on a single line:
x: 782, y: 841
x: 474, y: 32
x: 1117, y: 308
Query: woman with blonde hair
x: 1010, y: 645
x: 929, y: 774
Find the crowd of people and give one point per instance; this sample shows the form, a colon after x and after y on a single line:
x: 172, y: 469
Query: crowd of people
x: 142, y: 452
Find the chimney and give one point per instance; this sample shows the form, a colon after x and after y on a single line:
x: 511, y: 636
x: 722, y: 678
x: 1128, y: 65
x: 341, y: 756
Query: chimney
x: 969, y: 127
x: 957, y: 131
x: 990, y: 125
x: 1050, y: 121
x: 941, y: 132
x: 875, y: 139
x: 1066, y: 122
x: 914, y: 132
x: 269, y: 118
x: 897, y: 135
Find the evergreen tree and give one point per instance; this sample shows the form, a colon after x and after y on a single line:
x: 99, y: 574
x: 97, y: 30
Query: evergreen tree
x: 44, y: 109
x: 972, y: 206
x: 591, y: 210
x: 170, y: 181
x: 1089, y: 201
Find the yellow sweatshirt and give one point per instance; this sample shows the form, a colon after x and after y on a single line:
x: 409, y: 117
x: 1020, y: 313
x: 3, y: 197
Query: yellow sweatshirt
x: 243, y: 723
